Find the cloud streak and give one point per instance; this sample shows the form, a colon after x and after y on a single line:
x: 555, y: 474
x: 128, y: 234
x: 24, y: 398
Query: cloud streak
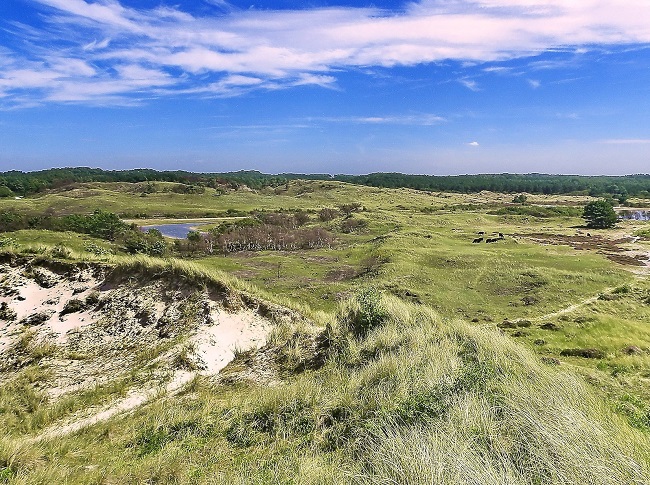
x: 103, y: 50
x: 627, y: 141
x: 413, y: 120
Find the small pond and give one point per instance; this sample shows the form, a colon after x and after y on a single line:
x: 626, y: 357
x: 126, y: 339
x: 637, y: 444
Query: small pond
x: 176, y: 230
x: 636, y: 215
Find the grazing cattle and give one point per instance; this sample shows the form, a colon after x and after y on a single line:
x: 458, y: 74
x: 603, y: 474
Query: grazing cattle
x: 477, y: 240
x: 480, y: 233
x: 501, y: 236
x: 588, y: 234
x: 491, y: 240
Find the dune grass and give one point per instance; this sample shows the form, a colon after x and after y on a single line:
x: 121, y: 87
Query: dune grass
x: 407, y: 398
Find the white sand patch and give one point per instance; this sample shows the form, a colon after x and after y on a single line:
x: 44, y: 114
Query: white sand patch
x: 215, y: 345
x: 32, y: 298
x: 573, y: 307
x: 70, y: 322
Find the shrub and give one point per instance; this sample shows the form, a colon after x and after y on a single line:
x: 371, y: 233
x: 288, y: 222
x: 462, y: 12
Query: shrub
x: 92, y: 299
x: 584, y: 353
x: 348, y: 209
x: 73, y: 306
x: 96, y: 249
x: 600, y: 214
x: 353, y: 225
x: 61, y: 252
x: 101, y: 224
x: 365, y: 312
x: 151, y: 243
x: 7, y: 242
x: 621, y: 290
x: 326, y: 214
x: 5, y: 192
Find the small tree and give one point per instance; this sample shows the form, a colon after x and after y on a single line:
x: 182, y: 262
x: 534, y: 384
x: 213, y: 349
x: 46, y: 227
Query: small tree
x: 600, y: 214
x: 5, y: 192
x: 520, y: 199
x: 348, y: 209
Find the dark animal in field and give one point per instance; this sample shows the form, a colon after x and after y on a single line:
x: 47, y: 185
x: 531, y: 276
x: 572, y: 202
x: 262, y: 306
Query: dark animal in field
x: 588, y: 234
x: 501, y: 236
x: 491, y: 240
x: 477, y: 240
x: 480, y: 233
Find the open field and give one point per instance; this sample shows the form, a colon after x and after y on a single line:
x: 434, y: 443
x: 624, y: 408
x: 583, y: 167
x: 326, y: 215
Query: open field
x: 556, y: 314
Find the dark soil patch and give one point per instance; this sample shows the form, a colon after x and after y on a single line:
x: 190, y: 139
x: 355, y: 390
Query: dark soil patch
x: 514, y: 324
x: 579, y: 242
x: 507, y: 324
x: 6, y: 313
x: 36, y: 318
x: 627, y: 260
x: 245, y: 273
x: 584, y: 353
x: 609, y: 247
x: 632, y: 350
x: 320, y: 259
x: 341, y: 274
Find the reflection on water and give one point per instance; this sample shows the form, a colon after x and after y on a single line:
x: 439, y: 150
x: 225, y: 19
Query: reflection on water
x: 635, y: 215
x: 177, y: 231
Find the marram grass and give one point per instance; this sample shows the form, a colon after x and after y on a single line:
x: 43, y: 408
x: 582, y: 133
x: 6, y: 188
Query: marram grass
x: 403, y: 397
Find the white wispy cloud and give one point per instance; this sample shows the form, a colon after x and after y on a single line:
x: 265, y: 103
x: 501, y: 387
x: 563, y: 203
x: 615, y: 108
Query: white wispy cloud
x: 190, y: 53
x: 627, y: 141
x: 470, y: 84
x: 568, y: 116
x: 473, y: 143
x: 534, y: 83
x: 415, y: 120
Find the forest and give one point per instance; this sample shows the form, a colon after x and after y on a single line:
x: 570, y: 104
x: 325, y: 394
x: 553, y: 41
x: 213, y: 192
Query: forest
x: 16, y: 183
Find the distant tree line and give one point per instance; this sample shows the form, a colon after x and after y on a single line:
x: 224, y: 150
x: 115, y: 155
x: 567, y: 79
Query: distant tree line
x: 16, y: 183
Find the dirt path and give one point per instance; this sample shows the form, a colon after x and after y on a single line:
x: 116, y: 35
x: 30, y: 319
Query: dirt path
x: 571, y: 308
x: 134, y: 399
x: 639, y: 273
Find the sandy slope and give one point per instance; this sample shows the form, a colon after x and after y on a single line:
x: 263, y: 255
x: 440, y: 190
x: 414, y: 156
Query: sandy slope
x: 117, y: 321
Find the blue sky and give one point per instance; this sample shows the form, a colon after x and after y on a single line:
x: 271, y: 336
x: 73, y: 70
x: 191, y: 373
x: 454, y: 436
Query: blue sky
x: 431, y: 86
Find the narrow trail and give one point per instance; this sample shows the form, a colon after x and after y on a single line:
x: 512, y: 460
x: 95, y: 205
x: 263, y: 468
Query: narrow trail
x: 639, y: 272
x: 135, y: 399
x: 573, y: 307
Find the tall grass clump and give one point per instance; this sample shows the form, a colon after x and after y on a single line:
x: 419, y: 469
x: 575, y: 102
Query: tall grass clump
x: 363, y: 313
x: 406, y: 397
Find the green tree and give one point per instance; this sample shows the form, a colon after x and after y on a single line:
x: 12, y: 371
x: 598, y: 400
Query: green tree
x: 600, y: 214
x: 5, y: 191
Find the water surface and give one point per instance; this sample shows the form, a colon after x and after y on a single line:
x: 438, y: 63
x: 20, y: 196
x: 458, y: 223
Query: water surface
x: 177, y: 230
x: 636, y: 215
